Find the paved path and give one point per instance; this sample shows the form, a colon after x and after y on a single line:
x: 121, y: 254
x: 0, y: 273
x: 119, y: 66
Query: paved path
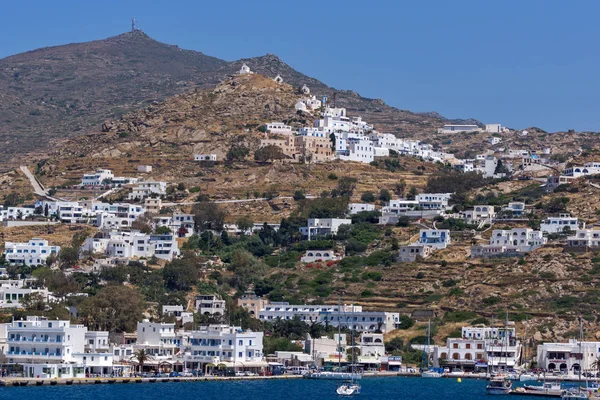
x: 37, y: 187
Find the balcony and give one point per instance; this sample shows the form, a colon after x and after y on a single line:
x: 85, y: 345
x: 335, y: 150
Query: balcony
x: 30, y: 354
x: 33, y: 340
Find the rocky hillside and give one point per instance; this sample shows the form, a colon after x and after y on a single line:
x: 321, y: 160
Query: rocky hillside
x: 65, y: 91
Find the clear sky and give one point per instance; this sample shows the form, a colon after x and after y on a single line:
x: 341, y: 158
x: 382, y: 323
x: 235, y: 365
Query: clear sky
x: 516, y: 62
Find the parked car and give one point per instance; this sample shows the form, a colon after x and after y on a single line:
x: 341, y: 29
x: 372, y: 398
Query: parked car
x: 174, y: 374
x: 250, y: 373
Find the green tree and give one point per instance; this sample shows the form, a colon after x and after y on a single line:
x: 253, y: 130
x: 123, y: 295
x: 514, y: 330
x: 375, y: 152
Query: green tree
x: 181, y: 274
x: 384, y: 195
x: 162, y: 230
x: 299, y: 195
x: 412, y: 193
x: 269, y: 153
x: 237, y: 152
x: 115, y: 308
x: 345, y: 187
x: 140, y: 357
x: 208, y: 216
x: 68, y: 257
x: 368, y: 197
x: 244, y: 224
x: 400, y: 188
x: 246, y: 269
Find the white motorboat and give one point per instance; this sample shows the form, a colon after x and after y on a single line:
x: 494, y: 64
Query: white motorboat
x: 499, y: 385
x: 430, y: 374
x: 348, y: 389
x: 547, y: 387
x: 528, y: 377
x: 456, y: 372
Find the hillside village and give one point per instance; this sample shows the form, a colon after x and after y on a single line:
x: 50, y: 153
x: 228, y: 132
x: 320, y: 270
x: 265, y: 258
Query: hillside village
x: 256, y: 225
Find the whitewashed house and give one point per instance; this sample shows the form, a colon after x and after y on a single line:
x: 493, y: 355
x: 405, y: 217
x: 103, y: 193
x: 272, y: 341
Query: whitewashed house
x: 311, y: 256
x: 157, y: 339
x: 479, y: 214
x: 278, y: 128
x: 355, y: 208
x: 449, y: 128
x: 98, y: 178
x: 323, y: 227
x: 205, y: 157
x: 209, y: 304
x: 411, y: 252
x: 34, y: 252
x: 147, y: 189
x: 563, y: 223
x: 567, y: 358
x: 436, y: 238
x: 585, y: 238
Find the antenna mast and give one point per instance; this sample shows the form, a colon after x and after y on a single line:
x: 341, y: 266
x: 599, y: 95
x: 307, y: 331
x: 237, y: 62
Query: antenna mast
x: 133, y: 25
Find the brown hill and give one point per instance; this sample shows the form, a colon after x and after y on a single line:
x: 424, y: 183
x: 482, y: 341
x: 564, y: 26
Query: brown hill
x: 65, y: 91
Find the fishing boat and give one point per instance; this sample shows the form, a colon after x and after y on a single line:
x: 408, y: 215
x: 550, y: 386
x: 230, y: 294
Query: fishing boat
x: 428, y: 371
x: 545, y: 387
x: 499, y: 385
x: 525, y: 377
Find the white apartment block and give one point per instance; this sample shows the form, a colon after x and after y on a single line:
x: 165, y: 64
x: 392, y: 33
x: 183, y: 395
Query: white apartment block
x: 148, y: 189
x: 510, y: 242
x: 481, y: 348
x: 433, y: 201
x: 355, y: 208
x: 515, y: 208
x: 350, y: 316
x: 562, y: 223
x: 222, y: 344
x: 323, y: 227
x: 38, y: 339
x: 209, y: 304
x: 34, y: 252
x: 436, y: 238
x: 205, y: 157
x: 566, y: 357
x: 585, y: 238
x: 157, y: 339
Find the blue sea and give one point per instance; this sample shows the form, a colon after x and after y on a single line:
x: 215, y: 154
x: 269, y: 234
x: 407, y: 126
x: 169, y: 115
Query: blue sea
x: 293, y: 389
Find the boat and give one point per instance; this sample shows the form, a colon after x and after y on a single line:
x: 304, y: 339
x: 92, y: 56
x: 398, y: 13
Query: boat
x: 456, y: 372
x: 23, y: 383
x: 546, y: 387
x: 348, y: 389
x: 336, y: 375
x: 499, y: 385
x: 578, y: 393
x: 428, y: 371
x: 53, y: 383
x: 333, y: 375
x: 528, y: 377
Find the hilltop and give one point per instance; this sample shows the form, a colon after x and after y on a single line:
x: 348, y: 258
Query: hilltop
x: 65, y: 91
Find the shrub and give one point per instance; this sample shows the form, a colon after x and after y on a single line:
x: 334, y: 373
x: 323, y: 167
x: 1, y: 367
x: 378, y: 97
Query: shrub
x: 420, y: 275
x: 459, y: 316
x: 405, y: 322
x: 368, y: 197
x: 332, y: 177
x: 367, y: 293
x: 371, y: 275
x: 490, y: 301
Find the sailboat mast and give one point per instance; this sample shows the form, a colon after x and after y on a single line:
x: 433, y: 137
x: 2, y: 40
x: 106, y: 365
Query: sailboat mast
x: 580, y: 352
x: 340, y: 331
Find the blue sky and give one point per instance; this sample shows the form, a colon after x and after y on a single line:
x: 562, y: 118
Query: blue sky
x: 516, y: 62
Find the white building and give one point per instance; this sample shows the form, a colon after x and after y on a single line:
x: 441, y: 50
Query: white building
x: 591, y: 168
x: 436, y: 238
x: 449, y: 128
x: 409, y: 253
x: 133, y: 245
x: 563, y: 223
x: 144, y: 168
x: 479, y: 214
x: 182, y: 316
x: 480, y: 348
x: 16, y: 213
x: 323, y: 226
x: 209, y: 304
x: 278, y: 128
x: 225, y: 345
x: 494, y: 140
x: 244, y: 70
x: 515, y: 209
x: 205, y: 157
x: 147, y: 189
x: 585, y: 238
x: 433, y: 201
x: 34, y: 252
x: 350, y: 316
x: 355, y: 208
x: 495, y: 128
x: 157, y: 339
x: 566, y: 357
x: 40, y: 340
x: 319, y: 255
x: 513, y: 241
x: 99, y: 178
x: 13, y: 291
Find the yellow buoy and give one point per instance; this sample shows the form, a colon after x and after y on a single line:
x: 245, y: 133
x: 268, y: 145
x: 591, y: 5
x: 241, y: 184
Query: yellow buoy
x: 459, y: 380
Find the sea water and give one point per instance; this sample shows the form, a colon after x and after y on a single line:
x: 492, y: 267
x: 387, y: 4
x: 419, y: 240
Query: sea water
x: 292, y: 389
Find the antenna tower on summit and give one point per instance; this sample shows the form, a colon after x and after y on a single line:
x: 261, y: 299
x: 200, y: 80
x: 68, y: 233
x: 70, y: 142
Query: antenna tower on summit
x: 133, y: 25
